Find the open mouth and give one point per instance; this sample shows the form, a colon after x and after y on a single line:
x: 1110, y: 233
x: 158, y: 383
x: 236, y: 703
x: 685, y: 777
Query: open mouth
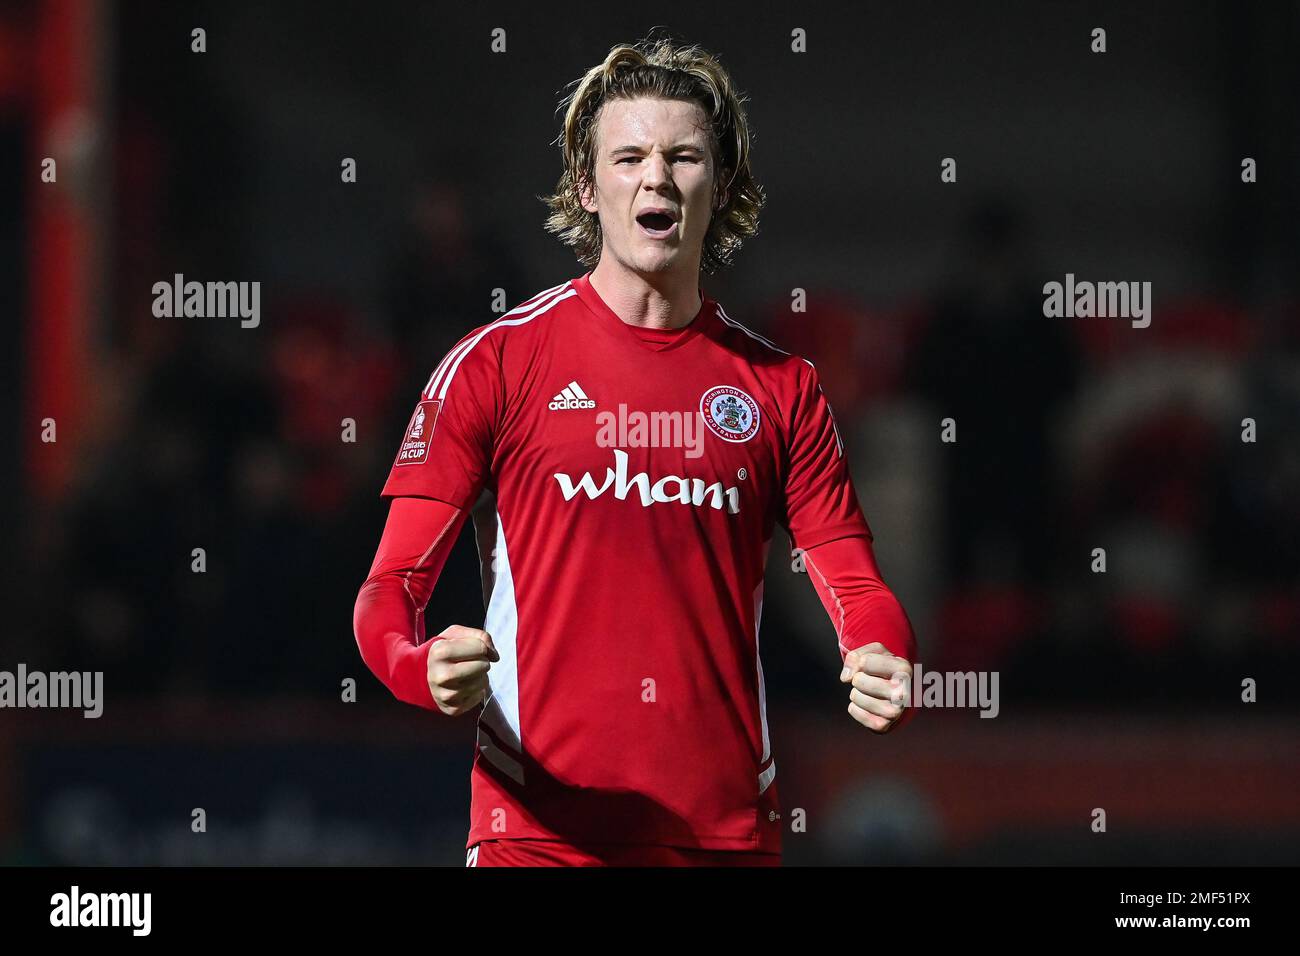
x: 656, y: 224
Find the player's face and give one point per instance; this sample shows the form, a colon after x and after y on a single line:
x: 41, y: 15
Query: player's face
x: 653, y: 154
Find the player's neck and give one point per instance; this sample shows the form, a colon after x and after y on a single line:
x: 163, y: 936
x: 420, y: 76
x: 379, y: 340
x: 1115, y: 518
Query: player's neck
x: 659, y: 302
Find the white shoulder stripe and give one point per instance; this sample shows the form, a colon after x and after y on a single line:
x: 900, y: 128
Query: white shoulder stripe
x: 754, y: 335
x: 442, y: 366
x: 540, y: 310
x: 450, y: 357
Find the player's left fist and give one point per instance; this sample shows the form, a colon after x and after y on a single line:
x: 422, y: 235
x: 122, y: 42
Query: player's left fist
x: 879, y: 684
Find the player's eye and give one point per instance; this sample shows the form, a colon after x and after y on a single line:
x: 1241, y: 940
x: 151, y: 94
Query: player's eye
x: 689, y: 159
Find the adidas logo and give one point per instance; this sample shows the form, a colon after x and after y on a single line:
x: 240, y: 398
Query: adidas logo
x: 571, y: 396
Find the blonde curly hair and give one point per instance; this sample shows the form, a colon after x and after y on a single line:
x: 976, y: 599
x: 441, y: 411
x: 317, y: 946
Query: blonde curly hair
x: 661, y: 69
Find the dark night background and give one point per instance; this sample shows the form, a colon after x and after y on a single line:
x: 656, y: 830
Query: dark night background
x: 1119, y: 690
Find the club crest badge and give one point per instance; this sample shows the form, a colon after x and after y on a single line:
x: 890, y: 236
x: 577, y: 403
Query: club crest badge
x: 730, y: 413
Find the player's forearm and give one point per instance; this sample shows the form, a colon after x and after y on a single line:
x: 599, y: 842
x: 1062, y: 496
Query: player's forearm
x: 387, y: 618
x: 861, y: 606
x: 386, y: 626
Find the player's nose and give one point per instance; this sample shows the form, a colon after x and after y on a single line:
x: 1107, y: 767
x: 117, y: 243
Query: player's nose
x: 656, y: 169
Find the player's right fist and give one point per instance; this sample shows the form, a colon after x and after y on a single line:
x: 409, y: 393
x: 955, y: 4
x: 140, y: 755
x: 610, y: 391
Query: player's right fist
x: 458, y: 668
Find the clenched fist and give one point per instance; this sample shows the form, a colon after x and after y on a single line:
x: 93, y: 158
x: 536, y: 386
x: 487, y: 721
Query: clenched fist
x: 879, y: 686
x: 458, y: 668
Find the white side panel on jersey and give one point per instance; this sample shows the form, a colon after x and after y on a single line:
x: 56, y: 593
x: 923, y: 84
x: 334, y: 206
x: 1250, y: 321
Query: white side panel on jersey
x: 766, y: 776
x: 500, y: 759
x: 502, y: 623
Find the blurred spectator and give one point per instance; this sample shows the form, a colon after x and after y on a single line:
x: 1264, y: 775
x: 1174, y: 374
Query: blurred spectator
x: 990, y: 360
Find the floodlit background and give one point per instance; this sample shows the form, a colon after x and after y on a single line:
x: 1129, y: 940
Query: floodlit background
x: 1120, y: 691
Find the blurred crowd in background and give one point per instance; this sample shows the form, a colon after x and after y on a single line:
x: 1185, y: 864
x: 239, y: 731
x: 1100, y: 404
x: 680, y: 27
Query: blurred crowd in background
x: 1072, y: 434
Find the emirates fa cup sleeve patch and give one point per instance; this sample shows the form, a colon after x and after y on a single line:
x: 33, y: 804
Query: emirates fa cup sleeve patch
x: 415, y: 445
x: 730, y: 413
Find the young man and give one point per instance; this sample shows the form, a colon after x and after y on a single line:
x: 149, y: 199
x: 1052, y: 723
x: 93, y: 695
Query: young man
x: 640, y: 445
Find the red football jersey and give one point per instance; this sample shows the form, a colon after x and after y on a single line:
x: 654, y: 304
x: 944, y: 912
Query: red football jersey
x: 638, y: 477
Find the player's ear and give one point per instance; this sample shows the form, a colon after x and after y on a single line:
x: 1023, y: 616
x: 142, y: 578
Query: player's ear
x: 586, y: 194
x: 723, y: 194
